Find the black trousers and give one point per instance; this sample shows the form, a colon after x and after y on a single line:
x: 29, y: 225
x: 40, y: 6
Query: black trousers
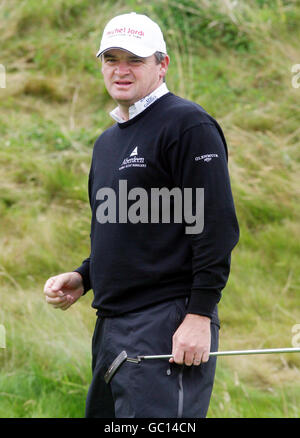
x: 153, y: 388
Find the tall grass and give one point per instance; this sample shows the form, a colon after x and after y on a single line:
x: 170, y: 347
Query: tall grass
x: 234, y: 59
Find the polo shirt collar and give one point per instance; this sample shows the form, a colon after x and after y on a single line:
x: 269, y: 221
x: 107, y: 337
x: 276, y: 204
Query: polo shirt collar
x: 140, y: 105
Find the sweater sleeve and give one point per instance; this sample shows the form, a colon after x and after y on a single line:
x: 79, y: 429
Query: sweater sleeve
x: 84, y: 268
x: 198, y: 159
x: 84, y: 271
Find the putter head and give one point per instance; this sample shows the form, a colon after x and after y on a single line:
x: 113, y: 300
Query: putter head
x: 113, y: 368
x: 119, y: 360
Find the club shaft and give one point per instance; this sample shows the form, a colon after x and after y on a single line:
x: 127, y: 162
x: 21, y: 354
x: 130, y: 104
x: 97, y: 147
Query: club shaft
x: 233, y: 353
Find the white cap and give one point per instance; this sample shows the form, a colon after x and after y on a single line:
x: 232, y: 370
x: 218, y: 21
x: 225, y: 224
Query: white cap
x: 133, y: 32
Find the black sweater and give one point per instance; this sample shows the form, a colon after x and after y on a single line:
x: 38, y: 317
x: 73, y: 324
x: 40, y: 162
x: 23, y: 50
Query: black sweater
x: 172, y: 143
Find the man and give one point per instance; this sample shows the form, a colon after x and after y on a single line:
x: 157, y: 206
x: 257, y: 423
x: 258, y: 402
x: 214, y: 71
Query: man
x: 156, y: 282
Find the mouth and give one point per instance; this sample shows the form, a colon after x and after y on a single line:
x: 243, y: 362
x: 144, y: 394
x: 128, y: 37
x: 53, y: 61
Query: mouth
x: 123, y: 84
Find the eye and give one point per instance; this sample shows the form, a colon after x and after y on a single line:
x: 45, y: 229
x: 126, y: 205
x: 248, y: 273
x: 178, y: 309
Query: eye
x: 110, y: 60
x: 136, y: 61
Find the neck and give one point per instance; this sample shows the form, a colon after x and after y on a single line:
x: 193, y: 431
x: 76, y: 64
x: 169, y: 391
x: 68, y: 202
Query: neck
x: 124, y: 111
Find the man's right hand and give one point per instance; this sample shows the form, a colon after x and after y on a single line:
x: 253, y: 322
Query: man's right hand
x: 63, y: 290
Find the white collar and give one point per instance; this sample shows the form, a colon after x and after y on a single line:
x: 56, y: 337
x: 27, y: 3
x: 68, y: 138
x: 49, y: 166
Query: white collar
x: 140, y: 105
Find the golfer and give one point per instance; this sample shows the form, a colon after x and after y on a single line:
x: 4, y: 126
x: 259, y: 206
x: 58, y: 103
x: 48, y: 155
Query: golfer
x: 156, y: 279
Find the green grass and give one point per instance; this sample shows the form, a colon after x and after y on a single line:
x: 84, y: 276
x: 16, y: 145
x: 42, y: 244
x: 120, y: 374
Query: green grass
x: 233, y: 398
x: 236, y: 63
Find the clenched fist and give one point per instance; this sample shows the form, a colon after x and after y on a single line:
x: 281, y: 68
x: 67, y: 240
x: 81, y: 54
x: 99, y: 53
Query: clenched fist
x: 191, y: 341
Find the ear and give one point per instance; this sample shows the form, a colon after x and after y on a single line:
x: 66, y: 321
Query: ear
x: 164, y: 66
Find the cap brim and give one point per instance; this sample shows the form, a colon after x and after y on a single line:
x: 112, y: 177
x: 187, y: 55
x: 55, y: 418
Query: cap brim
x: 135, y: 51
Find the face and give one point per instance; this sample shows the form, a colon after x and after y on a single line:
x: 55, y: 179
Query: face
x: 128, y: 77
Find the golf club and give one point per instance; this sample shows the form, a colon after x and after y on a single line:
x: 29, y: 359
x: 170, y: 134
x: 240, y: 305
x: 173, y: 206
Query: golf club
x: 122, y: 357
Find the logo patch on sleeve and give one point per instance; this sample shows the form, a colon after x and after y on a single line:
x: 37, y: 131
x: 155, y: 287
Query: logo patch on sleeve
x: 206, y: 157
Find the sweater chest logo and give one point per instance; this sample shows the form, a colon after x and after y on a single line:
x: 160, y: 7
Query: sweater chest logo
x: 134, y: 160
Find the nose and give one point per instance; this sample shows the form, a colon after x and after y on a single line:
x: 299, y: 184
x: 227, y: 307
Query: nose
x: 122, y: 68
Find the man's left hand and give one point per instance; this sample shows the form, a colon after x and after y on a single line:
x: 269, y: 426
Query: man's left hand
x: 191, y: 341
